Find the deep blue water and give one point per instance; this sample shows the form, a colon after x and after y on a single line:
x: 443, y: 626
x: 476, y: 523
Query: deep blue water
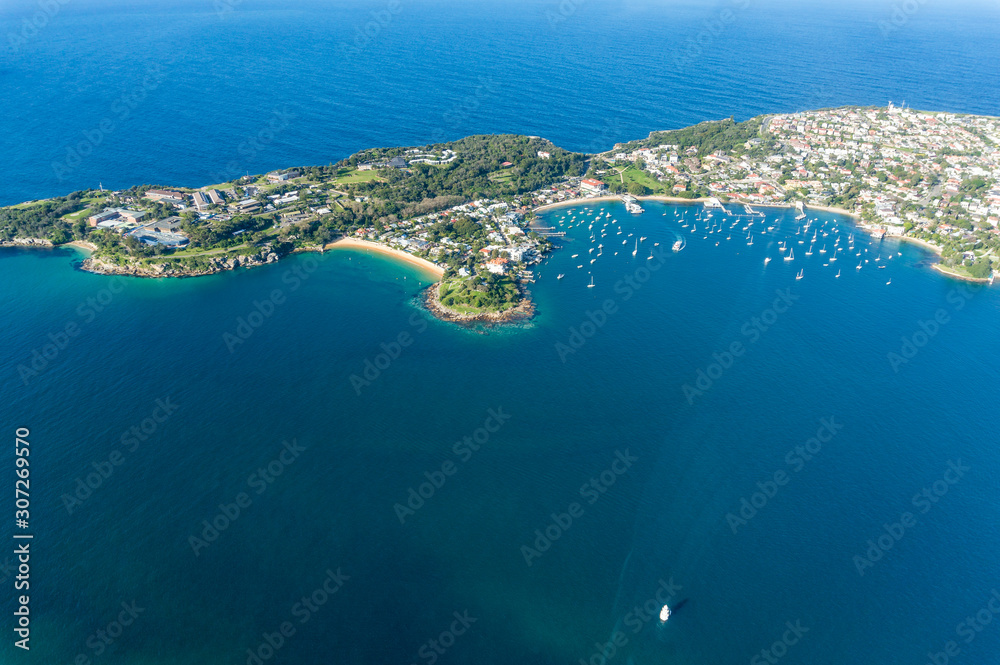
x: 600, y: 76
x: 664, y: 518
x: 189, y: 90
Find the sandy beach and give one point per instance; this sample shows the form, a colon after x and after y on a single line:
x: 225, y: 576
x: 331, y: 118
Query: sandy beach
x: 917, y: 241
x: 357, y: 243
x: 838, y: 211
x: 84, y: 245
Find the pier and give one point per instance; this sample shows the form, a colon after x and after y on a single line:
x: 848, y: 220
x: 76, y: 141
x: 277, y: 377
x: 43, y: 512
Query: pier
x: 548, y: 231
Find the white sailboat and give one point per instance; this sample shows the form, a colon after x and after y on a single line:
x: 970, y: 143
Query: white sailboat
x: 591, y: 285
x: 791, y: 255
x: 636, y: 250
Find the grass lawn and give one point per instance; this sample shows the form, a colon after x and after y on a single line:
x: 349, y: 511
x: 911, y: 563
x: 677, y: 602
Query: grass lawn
x: 351, y: 176
x: 73, y: 216
x: 632, y: 174
x: 187, y: 253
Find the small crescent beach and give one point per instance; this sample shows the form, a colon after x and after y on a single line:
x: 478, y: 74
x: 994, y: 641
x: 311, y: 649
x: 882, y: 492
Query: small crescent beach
x: 356, y: 243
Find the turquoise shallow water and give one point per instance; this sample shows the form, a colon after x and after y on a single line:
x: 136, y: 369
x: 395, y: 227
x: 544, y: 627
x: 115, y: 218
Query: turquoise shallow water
x: 333, y: 506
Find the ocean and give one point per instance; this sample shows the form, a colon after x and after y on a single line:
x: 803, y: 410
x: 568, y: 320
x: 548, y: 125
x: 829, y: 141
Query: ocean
x: 196, y: 92
x: 295, y: 464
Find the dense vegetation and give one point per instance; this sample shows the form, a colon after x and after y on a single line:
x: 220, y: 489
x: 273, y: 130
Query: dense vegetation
x: 44, y: 220
x: 708, y: 137
x: 486, y: 292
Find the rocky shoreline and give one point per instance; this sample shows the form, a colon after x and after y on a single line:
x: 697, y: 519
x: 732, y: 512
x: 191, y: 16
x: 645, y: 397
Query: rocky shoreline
x: 265, y: 256
x: 27, y: 242
x: 523, y: 311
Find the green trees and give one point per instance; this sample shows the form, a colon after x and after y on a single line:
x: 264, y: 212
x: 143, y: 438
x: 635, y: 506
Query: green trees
x: 637, y: 189
x: 980, y: 269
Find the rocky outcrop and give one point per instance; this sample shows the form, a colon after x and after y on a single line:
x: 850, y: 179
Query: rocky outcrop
x: 523, y: 311
x: 216, y: 264
x: 26, y: 242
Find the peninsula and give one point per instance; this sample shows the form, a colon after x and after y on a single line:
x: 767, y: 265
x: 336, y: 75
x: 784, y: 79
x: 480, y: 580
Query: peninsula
x: 464, y: 210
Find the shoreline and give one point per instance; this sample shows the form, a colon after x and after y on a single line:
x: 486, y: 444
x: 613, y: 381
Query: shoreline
x: 681, y: 200
x: 947, y: 272
x: 379, y: 248
x: 922, y: 243
x: 82, y: 245
x: 523, y: 311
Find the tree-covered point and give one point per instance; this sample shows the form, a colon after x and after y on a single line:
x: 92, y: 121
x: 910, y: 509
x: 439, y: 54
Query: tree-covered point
x: 480, y: 293
x: 476, y: 172
x: 708, y: 137
x: 43, y: 219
